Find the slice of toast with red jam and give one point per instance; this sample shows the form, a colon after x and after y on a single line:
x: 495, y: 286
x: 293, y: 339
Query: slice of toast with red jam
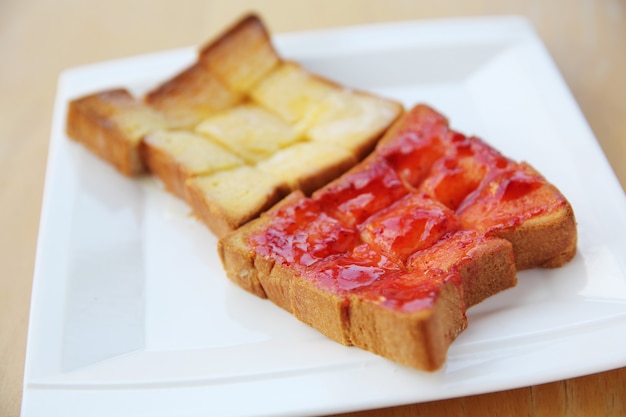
x: 389, y: 256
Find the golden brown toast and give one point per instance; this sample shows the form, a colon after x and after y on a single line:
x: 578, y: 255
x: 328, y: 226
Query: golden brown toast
x: 389, y: 256
x: 241, y: 128
x: 112, y: 125
x: 192, y: 96
x: 241, y: 56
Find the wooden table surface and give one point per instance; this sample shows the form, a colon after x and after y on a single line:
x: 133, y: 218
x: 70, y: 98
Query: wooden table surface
x: 39, y: 38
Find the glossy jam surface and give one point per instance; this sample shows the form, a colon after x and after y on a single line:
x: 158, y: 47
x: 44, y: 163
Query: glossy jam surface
x: 413, y: 223
x: 361, y: 192
x: 357, y: 269
x: 461, y: 170
x: 508, y: 197
x: 302, y: 234
x: 410, y: 291
x: 394, y: 229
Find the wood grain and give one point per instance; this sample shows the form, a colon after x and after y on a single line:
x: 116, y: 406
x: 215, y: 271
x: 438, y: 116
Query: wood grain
x: 593, y: 395
x: 39, y: 38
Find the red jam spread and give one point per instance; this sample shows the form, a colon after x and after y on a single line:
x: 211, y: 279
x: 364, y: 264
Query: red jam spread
x: 508, y: 197
x: 410, y: 291
x: 361, y: 192
x: 396, y: 228
x: 449, y: 253
x: 302, y: 234
x: 461, y: 170
x: 413, y: 223
x: 358, y: 268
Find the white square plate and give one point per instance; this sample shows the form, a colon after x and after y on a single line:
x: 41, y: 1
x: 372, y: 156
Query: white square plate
x: 132, y: 314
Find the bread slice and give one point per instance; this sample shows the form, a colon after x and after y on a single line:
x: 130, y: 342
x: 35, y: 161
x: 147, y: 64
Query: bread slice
x: 112, y: 125
x: 389, y: 256
x: 237, y: 129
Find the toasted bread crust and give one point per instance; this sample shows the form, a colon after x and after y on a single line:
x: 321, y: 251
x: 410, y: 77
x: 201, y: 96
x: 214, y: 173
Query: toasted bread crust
x: 418, y: 340
x: 241, y: 264
x: 191, y: 96
x: 159, y: 163
x: 544, y: 242
x: 240, y: 259
x: 246, y: 41
x: 97, y: 121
